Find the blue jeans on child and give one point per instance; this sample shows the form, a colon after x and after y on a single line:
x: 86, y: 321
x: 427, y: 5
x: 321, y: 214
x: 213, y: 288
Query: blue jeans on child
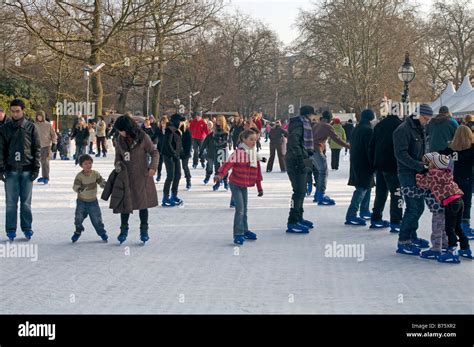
x: 18, y: 186
x: 240, y: 198
x: 91, y: 209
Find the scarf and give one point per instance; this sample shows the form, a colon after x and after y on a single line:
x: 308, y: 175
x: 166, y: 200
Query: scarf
x: 308, y: 134
x: 252, y: 153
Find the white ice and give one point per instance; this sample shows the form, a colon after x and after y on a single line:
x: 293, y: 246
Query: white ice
x: 191, y: 266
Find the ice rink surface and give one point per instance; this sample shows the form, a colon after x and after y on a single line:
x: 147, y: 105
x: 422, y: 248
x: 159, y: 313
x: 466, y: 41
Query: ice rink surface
x: 191, y: 266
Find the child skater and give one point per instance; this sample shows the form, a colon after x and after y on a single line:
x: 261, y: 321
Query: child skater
x: 85, y: 185
x: 246, y: 172
x: 439, y: 180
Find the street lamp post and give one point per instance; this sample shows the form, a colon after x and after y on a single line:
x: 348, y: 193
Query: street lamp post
x: 151, y: 84
x: 191, y: 95
x: 406, y: 74
x: 88, y: 70
x: 214, y: 101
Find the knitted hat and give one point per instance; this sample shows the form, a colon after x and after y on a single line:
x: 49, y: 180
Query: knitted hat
x: 441, y: 161
x: 336, y: 121
x: 444, y: 109
x: 306, y: 110
x: 367, y: 115
x: 424, y: 110
x: 327, y: 115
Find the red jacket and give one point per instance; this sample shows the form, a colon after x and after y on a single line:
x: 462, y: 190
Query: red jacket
x: 199, y: 129
x: 243, y: 175
x: 259, y: 124
x: 440, y: 182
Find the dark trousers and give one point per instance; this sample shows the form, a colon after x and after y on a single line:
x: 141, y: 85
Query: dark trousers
x: 413, y: 210
x: 124, y: 217
x: 173, y: 175
x: 160, y: 164
x: 214, y: 163
x: 299, y: 184
x: 335, y: 154
x: 466, y: 186
x: 91, y: 209
x: 281, y: 159
x: 185, y: 165
x: 453, y: 216
x: 387, y: 182
x: 196, y: 149
x: 101, y: 145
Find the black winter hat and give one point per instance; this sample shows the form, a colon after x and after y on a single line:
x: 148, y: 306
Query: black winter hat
x: 176, y: 119
x: 327, y: 115
x: 367, y: 115
x: 306, y: 110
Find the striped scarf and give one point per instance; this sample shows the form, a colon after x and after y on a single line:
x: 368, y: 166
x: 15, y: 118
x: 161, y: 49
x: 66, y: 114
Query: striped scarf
x: 308, y: 134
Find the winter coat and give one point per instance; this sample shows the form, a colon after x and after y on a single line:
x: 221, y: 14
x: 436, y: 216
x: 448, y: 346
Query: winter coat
x: 381, y: 152
x: 235, y: 132
x: 46, y: 133
x: 187, y: 142
x: 19, y: 137
x: 348, y: 128
x: 81, y: 135
x: 172, y: 144
x: 277, y: 133
x: 440, y: 132
x: 149, y: 131
x: 138, y: 153
x: 361, y: 170
x: 117, y: 189
x: 463, y: 161
x: 339, y: 130
x: 409, y: 146
x: 243, y: 175
x: 440, y: 183
x: 101, y: 128
x: 296, y: 153
x: 159, y: 139
x: 215, y: 145
x: 199, y: 129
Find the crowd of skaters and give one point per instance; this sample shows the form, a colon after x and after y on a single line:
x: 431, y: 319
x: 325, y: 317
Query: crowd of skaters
x: 404, y: 158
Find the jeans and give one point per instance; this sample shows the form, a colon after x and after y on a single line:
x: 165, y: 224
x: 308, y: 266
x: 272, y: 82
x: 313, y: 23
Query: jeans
x: 187, y: 172
x: 197, y: 143
x: 413, y: 211
x: 335, y: 154
x: 173, y: 175
x: 124, y: 217
x: 387, y: 182
x: 360, y: 198
x: 91, y: 209
x: 80, y: 150
x: 321, y: 165
x: 18, y: 186
x: 466, y: 186
x: 240, y: 198
x: 214, y: 163
x: 299, y: 185
x: 453, y: 216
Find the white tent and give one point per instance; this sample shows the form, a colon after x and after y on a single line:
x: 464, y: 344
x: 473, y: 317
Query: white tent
x: 445, y: 95
x: 466, y: 103
x: 460, y: 99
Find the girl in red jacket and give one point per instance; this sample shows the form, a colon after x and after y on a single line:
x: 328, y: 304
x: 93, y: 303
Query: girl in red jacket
x: 439, y: 180
x: 246, y: 172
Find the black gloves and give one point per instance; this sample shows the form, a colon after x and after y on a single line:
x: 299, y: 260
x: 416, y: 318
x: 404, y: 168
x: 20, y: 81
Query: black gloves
x: 264, y: 160
x: 54, y: 147
x: 34, y: 175
x: 260, y: 193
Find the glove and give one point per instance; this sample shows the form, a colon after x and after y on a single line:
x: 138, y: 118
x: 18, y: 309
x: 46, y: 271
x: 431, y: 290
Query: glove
x: 81, y: 189
x: 217, y: 178
x: 3, y: 176
x: 34, y: 175
x: 260, y: 193
x: 54, y: 147
x: 264, y: 160
x: 425, y: 170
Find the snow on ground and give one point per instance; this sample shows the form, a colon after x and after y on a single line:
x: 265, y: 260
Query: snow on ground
x: 191, y: 266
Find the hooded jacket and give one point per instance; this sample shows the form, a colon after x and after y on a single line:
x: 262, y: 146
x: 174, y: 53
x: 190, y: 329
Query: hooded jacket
x: 440, y: 132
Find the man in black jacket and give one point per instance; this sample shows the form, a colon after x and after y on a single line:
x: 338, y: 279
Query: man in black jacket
x: 19, y: 167
x: 384, y: 162
x: 298, y: 165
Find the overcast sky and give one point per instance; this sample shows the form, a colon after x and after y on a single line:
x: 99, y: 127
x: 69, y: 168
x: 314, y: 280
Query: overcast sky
x: 281, y: 15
